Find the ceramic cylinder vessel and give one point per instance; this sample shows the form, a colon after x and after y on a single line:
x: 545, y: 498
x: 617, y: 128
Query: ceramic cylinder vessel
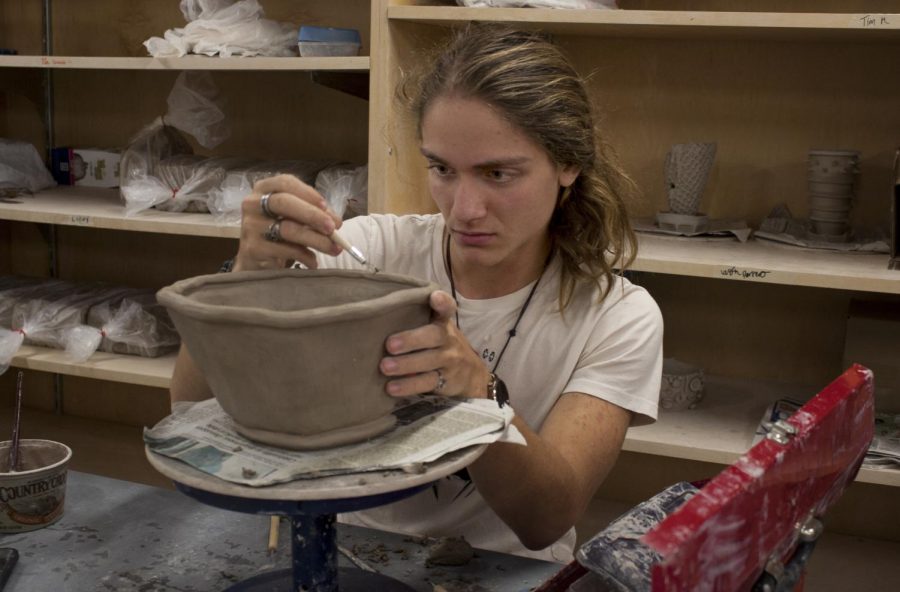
x: 832, y: 176
x: 292, y: 355
x: 687, y: 170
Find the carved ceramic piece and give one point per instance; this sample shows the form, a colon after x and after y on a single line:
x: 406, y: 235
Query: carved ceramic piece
x: 292, y: 355
x: 831, y: 179
x: 687, y: 169
x: 682, y: 385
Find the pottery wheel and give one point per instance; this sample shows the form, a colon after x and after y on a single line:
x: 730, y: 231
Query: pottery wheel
x: 311, y: 505
x: 320, y: 488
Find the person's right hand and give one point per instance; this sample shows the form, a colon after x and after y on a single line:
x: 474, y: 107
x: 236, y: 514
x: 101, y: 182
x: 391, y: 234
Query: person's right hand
x: 300, y: 223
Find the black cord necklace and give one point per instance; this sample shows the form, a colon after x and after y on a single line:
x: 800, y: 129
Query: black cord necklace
x: 512, y: 332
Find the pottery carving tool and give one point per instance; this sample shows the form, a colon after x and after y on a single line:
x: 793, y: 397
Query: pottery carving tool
x: 353, y: 250
x: 355, y: 560
x: 17, y: 421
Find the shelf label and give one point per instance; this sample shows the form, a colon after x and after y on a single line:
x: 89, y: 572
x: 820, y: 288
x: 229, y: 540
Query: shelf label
x: 873, y: 21
x: 80, y: 220
x: 745, y: 274
x: 54, y: 61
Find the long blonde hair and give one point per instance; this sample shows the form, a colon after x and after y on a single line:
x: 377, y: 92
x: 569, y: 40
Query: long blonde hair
x: 529, y: 79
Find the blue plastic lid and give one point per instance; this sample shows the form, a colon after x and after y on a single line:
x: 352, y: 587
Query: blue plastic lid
x: 329, y: 34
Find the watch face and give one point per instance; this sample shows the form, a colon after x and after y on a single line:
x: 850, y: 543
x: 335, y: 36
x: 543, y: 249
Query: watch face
x: 500, y: 392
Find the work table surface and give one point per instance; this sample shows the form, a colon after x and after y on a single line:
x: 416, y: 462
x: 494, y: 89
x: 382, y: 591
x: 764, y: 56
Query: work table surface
x: 122, y: 536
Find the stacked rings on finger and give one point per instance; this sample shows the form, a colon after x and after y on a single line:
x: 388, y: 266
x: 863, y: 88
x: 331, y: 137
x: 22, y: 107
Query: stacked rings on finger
x: 441, y: 381
x: 264, y: 206
x: 273, y: 232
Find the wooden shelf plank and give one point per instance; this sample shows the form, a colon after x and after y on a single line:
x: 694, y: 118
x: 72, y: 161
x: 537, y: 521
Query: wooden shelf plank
x: 667, y: 23
x: 155, y: 372
x: 755, y: 260
x: 100, y: 447
x: 766, y: 262
x: 102, y: 208
x: 331, y: 64
x: 718, y: 431
x: 721, y: 428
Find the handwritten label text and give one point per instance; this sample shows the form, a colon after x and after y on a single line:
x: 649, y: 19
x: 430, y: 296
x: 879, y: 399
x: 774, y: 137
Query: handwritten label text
x: 745, y: 274
x: 867, y: 21
x: 80, y: 220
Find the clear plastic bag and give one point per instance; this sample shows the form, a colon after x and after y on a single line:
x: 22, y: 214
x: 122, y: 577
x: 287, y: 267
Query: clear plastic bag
x: 345, y: 187
x: 570, y: 4
x: 193, y: 109
x: 135, y: 324
x: 225, y: 28
x: 46, y: 319
x: 51, y: 315
x: 225, y: 201
x: 25, y: 288
x: 21, y: 168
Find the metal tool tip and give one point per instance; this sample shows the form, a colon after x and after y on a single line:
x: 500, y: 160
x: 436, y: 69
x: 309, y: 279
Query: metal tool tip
x: 357, y: 254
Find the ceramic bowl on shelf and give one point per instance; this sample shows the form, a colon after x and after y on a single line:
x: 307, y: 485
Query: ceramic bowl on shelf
x: 682, y: 385
x: 292, y: 355
x: 686, y: 223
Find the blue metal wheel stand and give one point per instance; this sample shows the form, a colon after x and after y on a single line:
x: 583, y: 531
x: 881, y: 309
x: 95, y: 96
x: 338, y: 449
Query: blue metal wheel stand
x: 313, y: 542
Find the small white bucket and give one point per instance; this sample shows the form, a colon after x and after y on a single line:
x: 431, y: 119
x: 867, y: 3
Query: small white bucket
x: 33, y: 497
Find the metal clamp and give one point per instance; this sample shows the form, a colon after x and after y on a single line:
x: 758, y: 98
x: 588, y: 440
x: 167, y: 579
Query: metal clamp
x: 780, y: 431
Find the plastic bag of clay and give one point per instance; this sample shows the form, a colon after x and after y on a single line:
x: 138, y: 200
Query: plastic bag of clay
x: 225, y: 203
x: 225, y: 28
x: 45, y: 316
x: 192, y: 181
x: 599, y: 4
x: 21, y: 169
x: 25, y: 289
x: 45, y: 320
x: 167, y: 188
x: 135, y: 324
x: 194, y: 110
x: 346, y: 188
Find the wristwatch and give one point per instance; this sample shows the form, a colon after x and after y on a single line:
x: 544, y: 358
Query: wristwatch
x: 496, y: 390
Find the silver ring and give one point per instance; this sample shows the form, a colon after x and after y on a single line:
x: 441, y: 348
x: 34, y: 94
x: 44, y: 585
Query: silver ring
x: 441, y: 383
x: 273, y: 232
x: 264, y: 206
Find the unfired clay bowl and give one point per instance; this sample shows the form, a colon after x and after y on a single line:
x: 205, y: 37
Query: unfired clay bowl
x: 292, y: 355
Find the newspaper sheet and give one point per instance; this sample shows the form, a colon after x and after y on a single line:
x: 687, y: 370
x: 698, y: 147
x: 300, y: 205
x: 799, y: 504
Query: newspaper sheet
x: 884, y: 451
x: 428, y: 427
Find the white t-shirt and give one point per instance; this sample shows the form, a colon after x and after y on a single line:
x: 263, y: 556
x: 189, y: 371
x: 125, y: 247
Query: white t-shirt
x: 611, y: 350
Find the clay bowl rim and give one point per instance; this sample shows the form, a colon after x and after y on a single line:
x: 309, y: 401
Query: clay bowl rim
x: 174, y: 296
x: 29, y: 472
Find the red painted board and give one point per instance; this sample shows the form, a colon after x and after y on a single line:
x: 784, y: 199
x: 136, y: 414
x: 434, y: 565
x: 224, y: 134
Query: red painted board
x: 721, y: 539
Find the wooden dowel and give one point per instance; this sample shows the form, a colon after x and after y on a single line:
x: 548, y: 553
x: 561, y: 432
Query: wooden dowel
x: 274, y: 523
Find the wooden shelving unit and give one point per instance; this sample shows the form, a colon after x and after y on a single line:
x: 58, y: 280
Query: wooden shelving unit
x: 100, y: 447
x: 234, y: 64
x: 102, y: 208
x: 719, y: 431
x: 666, y: 23
x: 755, y: 261
x: 155, y: 372
x: 765, y: 261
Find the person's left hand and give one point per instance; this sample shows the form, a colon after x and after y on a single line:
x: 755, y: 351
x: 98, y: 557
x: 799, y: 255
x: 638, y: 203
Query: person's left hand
x: 434, y: 358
